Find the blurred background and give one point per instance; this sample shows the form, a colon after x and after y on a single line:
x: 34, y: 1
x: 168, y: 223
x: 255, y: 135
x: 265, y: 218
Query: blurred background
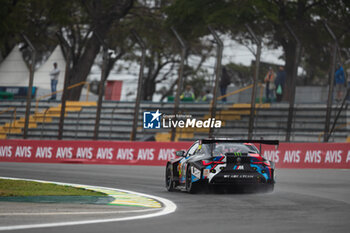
x: 118, y: 59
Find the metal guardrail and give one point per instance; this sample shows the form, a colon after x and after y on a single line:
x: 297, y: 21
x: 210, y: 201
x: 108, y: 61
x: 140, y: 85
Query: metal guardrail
x: 13, y: 118
x: 342, y: 126
x: 328, y: 134
x: 77, y: 125
x: 59, y: 91
x: 244, y: 89
x: 112, y: 117
x: 42, y: 125
x: 117, y: 128
x: 8, y: 109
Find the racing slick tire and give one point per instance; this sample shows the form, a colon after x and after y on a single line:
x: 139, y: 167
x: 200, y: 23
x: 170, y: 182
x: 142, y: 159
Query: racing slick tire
x: 269, y: 188
x: 169, y: 182
x: 190, y: 186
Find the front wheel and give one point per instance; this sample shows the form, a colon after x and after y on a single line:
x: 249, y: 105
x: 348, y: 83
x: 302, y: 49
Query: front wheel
x: 190, y: 186
x: 169, y: 182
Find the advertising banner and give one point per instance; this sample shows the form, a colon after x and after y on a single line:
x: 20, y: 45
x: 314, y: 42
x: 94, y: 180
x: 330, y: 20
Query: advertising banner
x: 287, y: 155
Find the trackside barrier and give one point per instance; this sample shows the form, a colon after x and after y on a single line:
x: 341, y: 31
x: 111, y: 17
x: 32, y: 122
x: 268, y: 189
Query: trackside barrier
x: 288, y: 155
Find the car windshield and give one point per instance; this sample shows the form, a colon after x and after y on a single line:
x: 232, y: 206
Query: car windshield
x: 222, y: 148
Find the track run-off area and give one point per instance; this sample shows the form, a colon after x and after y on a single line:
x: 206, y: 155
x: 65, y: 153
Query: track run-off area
x: 304, y: 200
x: 149, y: 206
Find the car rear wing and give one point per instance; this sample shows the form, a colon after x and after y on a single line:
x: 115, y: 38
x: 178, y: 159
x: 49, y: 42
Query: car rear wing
x: 215, y: 140
x: 228, y: 140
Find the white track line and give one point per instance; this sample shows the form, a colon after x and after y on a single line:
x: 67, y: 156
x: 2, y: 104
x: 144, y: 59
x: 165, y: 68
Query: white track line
x: 168, y: 208
x: 77, y: 213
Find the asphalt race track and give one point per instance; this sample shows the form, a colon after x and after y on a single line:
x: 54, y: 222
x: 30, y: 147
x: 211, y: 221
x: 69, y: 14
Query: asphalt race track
x: 303, y: 200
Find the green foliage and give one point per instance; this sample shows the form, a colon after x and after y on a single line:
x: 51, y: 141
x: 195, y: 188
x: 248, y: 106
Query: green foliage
x: 39, y: 21
x: 240, y: 75
x: 267, y: 18
x: 190, y: 17
x: 78, y: 20
x: 31, y: 188
x: 198, y: 80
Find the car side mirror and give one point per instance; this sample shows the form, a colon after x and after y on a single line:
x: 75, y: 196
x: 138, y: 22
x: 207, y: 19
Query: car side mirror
x: 180, y: 153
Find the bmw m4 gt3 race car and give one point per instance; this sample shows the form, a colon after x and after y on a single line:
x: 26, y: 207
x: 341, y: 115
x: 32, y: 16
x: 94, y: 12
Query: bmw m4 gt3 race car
x: 224, y: 162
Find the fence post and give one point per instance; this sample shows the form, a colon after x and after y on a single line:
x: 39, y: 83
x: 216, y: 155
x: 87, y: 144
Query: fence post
x: 179, y: 81
x: 331, y: 84
x: 101, y: 86
x: 217, y: 77
x: 256, y: 75
x: 65, y: 86
x: 30, y: 88
x: 139, y: 86
x: 293, y: 87
x: 338, y: 114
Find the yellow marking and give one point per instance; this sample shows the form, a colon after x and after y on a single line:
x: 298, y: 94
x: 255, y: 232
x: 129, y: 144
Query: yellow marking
x: 128, y: 199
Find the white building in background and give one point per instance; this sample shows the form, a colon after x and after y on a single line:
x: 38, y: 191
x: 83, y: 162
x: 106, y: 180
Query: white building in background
x: 15, y: 73
x: 13, y: 70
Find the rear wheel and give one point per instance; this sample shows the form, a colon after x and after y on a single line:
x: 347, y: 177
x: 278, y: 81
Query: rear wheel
x: 269, y: 188
x: 169, y: 181
x: 190, y: 186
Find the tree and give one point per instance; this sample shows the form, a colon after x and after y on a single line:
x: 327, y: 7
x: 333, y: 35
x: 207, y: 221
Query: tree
x: 268, y: 19
x: 162, y: 47
x: 80, y: 26
x: 147, y: 20
x: 83, y: 39
x: 28, y: 17
x: 240, y: 75
x: 75, y: 22
x: 7, y: 24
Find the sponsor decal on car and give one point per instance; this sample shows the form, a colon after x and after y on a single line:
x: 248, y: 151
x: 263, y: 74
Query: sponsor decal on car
x: 206, y: 172
x: 196, y: 172
x: 238, y: 176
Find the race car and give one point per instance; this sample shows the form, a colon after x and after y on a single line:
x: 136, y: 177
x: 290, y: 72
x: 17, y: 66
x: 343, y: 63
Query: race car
x: 224, y: 162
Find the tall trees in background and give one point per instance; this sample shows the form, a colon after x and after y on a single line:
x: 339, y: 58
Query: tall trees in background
x: 78, y: 22
x: 75, y: 23
x: 268, y: 19
x: 84, y: 38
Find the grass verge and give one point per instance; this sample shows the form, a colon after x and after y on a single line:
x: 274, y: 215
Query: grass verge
x: 11, y: 188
